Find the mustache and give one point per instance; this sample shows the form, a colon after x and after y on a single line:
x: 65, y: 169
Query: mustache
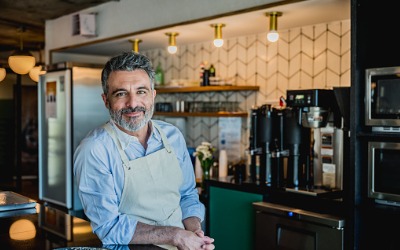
x: 131, y: 110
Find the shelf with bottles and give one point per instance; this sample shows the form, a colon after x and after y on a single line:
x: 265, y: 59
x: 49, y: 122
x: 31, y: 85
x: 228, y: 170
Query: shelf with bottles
x: 211, y: 88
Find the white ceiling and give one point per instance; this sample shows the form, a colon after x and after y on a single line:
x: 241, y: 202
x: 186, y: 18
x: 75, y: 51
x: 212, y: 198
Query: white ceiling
x: 294, y: 15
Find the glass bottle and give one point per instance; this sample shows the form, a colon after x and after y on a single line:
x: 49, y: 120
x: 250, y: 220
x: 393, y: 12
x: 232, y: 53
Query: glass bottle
x: 159, y: 76
x: 212, y: 70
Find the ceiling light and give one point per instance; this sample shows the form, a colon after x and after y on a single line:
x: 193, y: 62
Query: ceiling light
x: 172, y: 49
x: 273, y: 34
x: 21, y: 61
x: 35, y: 72
x: 218, y: 41
x: 135, y: 45
x: 2, y: 74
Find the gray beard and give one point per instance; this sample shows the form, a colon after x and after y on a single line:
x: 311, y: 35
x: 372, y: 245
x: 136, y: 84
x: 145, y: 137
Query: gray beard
x: 134, y: 123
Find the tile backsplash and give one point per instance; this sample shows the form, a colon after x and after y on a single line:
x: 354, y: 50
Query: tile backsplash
x: 316, y: 56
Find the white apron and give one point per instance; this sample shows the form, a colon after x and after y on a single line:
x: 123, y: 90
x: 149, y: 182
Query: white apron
x: 151, y: 185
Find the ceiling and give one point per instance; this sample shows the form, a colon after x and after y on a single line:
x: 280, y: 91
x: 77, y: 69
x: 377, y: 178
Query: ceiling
x: 30, y: 16
x: 35, y: 13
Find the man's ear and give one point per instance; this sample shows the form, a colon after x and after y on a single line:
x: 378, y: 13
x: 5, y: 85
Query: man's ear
x: 105, y: 100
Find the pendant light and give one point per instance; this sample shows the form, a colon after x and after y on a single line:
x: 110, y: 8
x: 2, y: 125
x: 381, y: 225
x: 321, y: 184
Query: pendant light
x: 218, y: 41
x: 273, y: 34
x: 172, y: 49
x: 2, y: 74
x: 36, y: 71
x: 21, y: 61
x: 135, y: 45
x: 39, y: 69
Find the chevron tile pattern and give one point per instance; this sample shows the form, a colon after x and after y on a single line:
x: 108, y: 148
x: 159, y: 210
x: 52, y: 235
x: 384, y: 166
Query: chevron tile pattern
x: 316, y: 56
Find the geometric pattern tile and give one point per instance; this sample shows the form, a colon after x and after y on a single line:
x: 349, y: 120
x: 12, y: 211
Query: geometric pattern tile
x: 316, y: 56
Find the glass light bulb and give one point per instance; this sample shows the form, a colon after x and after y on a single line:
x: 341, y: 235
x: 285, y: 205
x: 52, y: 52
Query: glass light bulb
x: 172, y: 49
x: 218, y: 42
x: 273, y: 36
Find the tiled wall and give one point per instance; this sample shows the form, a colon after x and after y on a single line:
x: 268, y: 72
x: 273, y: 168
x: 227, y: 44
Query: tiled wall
x: 316, y: 56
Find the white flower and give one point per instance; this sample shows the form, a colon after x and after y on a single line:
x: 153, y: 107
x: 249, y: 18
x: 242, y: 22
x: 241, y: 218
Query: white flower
x: 204, y: 151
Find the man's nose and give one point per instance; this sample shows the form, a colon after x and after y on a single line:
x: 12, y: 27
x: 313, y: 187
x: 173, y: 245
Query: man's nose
x: 132, y: 100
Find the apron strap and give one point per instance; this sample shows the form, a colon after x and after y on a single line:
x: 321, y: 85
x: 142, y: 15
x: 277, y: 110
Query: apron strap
x: 113, y: 135
x: 163, y: 138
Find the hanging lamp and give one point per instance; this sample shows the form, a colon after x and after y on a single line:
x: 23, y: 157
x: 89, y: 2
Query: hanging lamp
x: 135, y: 45
x: 39, y: 69
x: 172, y: 49
x: 21, y: 61
x: 218, y: 41
x: 273, y: 34
x: 2, y: 74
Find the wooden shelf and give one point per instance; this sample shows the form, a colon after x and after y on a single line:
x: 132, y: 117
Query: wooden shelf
x: 203, y: 114
x: 177, y: 89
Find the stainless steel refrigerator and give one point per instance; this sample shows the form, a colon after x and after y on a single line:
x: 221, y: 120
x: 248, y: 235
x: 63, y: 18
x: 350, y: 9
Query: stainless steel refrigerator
x: 69, y: 106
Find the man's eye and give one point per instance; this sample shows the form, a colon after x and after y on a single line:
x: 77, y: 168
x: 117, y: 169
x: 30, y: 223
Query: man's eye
x: 120, y: 94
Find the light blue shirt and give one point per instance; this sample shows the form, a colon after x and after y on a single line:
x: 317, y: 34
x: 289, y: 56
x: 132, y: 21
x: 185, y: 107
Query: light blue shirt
x: 100, y: 177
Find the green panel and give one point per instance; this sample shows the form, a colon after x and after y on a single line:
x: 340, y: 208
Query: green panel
x: 232, y: 218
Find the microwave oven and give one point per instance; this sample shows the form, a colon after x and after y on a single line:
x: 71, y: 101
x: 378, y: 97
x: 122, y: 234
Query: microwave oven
x: 384, y: 172
x: 382, y: 102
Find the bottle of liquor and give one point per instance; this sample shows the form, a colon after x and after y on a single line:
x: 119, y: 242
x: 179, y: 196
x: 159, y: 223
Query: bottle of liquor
x: 159, y: 77
x: 206, y: 78
x: 212, y: 70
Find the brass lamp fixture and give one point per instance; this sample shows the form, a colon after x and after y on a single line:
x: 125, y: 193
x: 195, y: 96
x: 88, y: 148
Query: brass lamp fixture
x: 218, y: 41
x: 273, y: 34
x: 172, y: 49
x: 21, y: 61
x: 2, y: 74
x: 135, y: 45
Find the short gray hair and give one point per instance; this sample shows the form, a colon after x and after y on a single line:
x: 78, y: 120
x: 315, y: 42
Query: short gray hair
x: 127, y: 61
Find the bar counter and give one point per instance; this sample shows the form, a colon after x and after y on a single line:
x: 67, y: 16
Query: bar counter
x: 44, y: 227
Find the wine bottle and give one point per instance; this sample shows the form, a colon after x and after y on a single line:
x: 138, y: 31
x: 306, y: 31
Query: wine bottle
x: 212, y: 70
x: 159, y: 76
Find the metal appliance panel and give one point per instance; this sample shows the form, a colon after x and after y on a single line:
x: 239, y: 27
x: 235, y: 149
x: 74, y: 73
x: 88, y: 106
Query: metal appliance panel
x: 282, y: 227
x: 64, y: 120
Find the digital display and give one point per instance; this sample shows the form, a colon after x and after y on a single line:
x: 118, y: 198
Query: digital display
x: 299, y: 97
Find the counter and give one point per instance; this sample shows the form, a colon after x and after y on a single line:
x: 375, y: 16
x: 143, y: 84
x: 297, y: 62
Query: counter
x: 44, y: 227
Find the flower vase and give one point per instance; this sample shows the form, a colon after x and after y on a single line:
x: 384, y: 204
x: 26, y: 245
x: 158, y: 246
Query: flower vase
x: 206, y: 167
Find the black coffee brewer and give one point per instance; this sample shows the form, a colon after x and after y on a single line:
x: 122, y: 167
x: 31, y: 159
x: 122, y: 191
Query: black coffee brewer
x: 282, y: 144
x: 276, y: 153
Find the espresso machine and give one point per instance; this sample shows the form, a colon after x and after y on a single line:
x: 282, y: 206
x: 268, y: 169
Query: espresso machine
x: 276, y: 153
x: 301, y: 145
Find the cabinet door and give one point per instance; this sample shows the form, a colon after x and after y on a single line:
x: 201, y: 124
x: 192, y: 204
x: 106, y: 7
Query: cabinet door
x: 231, y: 218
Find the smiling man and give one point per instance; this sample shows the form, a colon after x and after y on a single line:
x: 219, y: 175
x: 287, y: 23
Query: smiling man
x: 134, y: 174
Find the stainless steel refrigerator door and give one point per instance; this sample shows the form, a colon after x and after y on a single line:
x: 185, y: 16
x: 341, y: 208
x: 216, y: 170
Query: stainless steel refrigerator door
x: 68, y: 110
x: 88, y: 110
x: 54, y: 101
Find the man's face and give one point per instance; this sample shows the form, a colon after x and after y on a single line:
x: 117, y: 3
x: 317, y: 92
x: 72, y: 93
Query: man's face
x: 130, y: 99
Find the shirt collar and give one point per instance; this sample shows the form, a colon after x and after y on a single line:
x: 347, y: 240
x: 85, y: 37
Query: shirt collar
x: 126, y: 139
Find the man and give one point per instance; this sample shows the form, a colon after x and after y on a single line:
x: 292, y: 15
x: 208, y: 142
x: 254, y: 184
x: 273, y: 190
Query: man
x: 134, y: 175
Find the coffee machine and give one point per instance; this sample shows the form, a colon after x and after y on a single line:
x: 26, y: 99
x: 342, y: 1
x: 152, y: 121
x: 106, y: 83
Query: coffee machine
x: 275, y: 144
x: 301, y: 145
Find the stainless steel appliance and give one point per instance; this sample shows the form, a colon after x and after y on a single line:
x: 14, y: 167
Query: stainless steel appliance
x: 382, y: 102
x: 303, y: 144
x: 282, y: 227
x: 324, y: 113
x: 384, y: 172
x: 70, y: 104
